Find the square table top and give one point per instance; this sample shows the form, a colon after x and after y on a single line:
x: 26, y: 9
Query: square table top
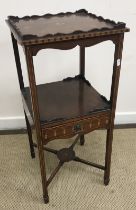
x: 62, y: 26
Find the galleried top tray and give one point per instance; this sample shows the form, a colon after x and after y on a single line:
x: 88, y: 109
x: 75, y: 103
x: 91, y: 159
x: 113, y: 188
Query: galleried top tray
x: 62, y: 26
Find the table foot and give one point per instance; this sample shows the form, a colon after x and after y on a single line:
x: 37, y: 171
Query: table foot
x: 106, y: 181
x: 46, y: 199
x: 82, y: 140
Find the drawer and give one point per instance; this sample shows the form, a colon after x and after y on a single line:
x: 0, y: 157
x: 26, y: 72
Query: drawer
x: 70, y: 129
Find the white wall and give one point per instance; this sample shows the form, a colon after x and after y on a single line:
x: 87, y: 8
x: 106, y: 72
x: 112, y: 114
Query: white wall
x: 54, y: 64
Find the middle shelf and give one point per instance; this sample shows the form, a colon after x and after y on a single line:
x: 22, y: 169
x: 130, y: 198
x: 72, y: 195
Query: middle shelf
x: 67, y: 99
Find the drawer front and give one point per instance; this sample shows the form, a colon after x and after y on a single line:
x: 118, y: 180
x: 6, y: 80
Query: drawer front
x: 76, y: 127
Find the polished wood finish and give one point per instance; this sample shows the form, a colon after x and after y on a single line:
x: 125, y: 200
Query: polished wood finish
x: 113, y: 99
x: 82, y: 73
x: 48, y: 28
x: 72, y: 95
x: 35, y: 107
x: 24, y: 130
x: 70, y: 129
x: 18, y: 64
x: 70, y: 107
x: 30, y: 137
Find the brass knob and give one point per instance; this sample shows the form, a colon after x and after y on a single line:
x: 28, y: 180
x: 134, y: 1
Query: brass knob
x: 77, y: 128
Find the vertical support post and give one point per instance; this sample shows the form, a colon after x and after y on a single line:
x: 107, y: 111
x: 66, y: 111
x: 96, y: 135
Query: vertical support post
x: 21, y: 84
x: 30, y: 137
x: 17, y: 60
x: 82, y: 73
x: 113, y: 99
x: 82, y: 60
x: 35, y: 107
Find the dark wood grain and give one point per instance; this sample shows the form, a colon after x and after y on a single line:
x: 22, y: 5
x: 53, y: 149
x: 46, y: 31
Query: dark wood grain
x: 113, y: 99
x: 33, y: 29
x: 74, y: 97
x: 67, y: 129
x: 82, y: 73
x: 36, y: 115
x: 17, y: 61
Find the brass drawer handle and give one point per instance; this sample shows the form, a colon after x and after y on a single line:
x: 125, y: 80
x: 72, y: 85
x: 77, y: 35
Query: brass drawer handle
x: 77, y: 128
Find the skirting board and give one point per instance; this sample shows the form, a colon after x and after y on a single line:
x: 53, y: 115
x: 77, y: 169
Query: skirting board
x: 9, y: 123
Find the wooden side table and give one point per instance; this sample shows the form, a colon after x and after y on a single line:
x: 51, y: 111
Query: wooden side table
x: 70, y: 107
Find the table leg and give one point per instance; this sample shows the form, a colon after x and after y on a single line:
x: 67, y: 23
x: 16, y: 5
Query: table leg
x: 82, y: 140
x: 29, y: 131
x: 36, y: 114
x: 82, y: 72
x: 18, y: 63
x: 113, y: 99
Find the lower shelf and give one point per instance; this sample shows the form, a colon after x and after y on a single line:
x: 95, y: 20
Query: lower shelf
x: 69, y: 107
x: 66, y: 99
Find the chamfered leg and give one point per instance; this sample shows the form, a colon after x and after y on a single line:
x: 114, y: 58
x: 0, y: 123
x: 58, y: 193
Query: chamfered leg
x: 113, y: 99
x: 108, y: 156
x: 82, y: 140
x: 34, y: 98
x: 29, y: 131
x: 82, y: 73
x: 35, y: 107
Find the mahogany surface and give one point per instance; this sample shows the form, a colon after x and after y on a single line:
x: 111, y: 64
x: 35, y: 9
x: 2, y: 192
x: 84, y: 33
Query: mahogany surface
x: 66, y: 99
x: 31, y: 29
